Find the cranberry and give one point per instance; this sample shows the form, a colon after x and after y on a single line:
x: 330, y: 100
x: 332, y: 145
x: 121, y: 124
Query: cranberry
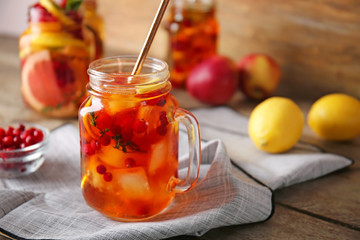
x: 105, y: 140
x: 130, y: 162
x: 22, y: 127
x: 161, y: 130
x: 31, y: 131
x: 163, y: 118
x: 95, y: 145
x: 23, y: 136
x: 140, y: 125
x: 38, y: 135
x: 2, y: 133
x: 101, y: 169
x: 7, y: 141
x: 9, y: 131
x: 17, y: 132
x: 17, y: 141
x: 30, y: 140
x: 107, y: 177
x: 88, y: 150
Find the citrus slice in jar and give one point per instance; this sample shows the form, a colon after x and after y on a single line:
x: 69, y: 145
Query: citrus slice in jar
x: 56, y: 40
x: 39, y: 85
x: 39, y: 80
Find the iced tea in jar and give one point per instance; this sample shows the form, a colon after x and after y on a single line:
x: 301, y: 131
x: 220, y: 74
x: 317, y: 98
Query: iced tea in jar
x: 129, y: 139
x: 193, y: 32
x: 55, y: 52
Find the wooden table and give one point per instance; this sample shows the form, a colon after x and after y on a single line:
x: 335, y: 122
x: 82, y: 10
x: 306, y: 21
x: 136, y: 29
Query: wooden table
x: 325, y: 208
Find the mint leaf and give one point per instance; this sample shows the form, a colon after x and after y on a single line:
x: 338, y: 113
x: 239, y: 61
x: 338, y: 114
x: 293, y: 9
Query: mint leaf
x: 73, y: 5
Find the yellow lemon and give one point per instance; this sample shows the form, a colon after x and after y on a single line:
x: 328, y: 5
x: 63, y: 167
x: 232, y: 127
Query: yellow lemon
x: 276, y: 124
x: 335, y: 117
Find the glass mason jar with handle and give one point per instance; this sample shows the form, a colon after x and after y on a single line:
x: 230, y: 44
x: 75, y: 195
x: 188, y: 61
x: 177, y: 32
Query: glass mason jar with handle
x: 55, y: 51
x: 129, y: 139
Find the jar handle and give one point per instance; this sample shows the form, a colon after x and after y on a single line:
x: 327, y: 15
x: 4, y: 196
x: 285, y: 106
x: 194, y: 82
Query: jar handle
x: 192, y: 126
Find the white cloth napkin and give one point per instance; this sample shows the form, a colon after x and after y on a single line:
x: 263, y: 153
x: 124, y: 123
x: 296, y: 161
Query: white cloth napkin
x: 303, y: 162
x: 49, y: 205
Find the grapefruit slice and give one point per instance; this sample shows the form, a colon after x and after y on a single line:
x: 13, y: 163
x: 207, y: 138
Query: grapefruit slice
x: 39, y: 84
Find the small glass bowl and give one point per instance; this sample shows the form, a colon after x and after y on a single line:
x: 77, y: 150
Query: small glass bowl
x: 24, y: 161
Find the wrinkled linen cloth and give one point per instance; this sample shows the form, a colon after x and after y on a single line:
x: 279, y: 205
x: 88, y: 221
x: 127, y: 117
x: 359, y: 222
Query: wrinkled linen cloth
x: 49, y: 205
x: 302, y: 163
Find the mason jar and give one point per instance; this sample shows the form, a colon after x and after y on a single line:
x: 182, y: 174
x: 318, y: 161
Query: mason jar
x: 129, y: 137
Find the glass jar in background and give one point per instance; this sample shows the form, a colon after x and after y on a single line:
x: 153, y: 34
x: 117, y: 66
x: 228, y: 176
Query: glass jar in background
x: 129, y: 139
x: 95, y: 23
x: 55, y: 51
x: 193, y: 33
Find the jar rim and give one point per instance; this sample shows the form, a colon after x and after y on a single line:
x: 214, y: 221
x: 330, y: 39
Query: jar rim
x: 154, y: 71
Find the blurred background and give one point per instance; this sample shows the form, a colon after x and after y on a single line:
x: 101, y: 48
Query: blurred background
x: 317, y: 43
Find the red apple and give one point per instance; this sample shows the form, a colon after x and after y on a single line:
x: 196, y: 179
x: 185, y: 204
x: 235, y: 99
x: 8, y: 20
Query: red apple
x: 213, y: 81
x: 259, y: 76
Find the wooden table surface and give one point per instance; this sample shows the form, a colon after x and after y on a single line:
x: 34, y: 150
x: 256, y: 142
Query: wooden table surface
x: 325, y: 208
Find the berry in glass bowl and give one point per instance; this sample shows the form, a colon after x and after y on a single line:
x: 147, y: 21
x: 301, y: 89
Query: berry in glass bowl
x: 22, y: 148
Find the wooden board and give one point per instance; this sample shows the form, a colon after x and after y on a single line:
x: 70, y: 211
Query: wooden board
x: 316, y: 42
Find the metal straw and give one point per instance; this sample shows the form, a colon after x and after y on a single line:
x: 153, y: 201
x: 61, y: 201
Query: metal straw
x: 150, y: 37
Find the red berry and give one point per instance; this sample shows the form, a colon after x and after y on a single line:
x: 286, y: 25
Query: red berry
x: 107, y: 176
x: 9, y: 131
x: 101, y: 169
x: 87, y: 150
x: 105, y: 140
x: 22, y: 145
x: 17, y: 141
x: 2, y: 133
x: 29, y: 140
x: 161, y: 130
x: 16, y: 132
x: 95, y: 145
x: 130, y: 162
x: 38, y: 135
x: 161, y: 102
x: 8, y: 141
x: 31, y: 131
x: 140, y: 125
x: 23, y: 136
x: 21, y: 127
x: 163, y: 118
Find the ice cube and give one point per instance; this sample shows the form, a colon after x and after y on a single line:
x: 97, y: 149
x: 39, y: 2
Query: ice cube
x: 159, y: 155
x: 133, y: 182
